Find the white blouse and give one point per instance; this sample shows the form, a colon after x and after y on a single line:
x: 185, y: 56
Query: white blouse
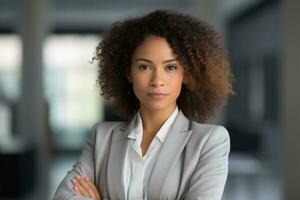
x: 137, y: 168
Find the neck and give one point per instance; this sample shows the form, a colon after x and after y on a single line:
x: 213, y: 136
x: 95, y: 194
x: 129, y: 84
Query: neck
x: 154, y: 119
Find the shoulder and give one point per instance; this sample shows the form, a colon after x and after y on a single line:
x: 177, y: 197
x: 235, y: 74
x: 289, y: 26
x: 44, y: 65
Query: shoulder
x: 107, y: 125
x: 209, y: 130
x: 102, y: 134
x: 209, y: 134
x: 103, y: 129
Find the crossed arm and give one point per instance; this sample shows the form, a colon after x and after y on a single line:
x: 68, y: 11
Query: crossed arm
x: 79, y: 182
x: 84, y: 187
x: 207, y: 181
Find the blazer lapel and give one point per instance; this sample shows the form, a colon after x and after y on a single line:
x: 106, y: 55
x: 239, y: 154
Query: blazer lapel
x: 170, y: 151
x: 119, y: 143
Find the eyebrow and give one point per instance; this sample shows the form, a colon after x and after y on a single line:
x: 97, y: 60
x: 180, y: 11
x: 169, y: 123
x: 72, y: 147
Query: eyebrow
x: 149, y: 61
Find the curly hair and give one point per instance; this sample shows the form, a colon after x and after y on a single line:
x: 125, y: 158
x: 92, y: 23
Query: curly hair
x: 198, y: 48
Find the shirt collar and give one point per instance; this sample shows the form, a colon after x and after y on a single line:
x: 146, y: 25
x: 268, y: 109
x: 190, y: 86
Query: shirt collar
x: 136, y: 126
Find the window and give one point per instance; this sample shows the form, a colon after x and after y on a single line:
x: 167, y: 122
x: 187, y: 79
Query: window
x: 70, y: 87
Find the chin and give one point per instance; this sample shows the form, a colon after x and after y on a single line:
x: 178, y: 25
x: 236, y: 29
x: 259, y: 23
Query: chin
x: 157, y: 106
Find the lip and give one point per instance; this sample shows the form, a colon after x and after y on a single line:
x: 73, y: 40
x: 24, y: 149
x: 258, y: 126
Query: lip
x: 157, y: 96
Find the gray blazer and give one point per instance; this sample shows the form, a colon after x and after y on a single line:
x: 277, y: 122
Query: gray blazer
x: 192, y: 163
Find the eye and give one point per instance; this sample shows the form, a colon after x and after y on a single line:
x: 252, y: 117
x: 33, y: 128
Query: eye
x: 171, y: 67
x: 143, y: 67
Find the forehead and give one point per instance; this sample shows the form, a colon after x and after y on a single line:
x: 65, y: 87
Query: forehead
x: 154, y: 47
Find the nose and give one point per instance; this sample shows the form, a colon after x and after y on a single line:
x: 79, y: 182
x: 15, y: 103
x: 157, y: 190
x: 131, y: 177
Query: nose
x: 157, y: 79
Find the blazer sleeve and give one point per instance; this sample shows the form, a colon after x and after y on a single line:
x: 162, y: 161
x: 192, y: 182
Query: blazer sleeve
x: 83, y: 167
x: 210, y: 174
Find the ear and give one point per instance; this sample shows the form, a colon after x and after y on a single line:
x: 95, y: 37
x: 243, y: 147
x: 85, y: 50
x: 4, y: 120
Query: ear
x: 185, y: 80
x: 188, y: 82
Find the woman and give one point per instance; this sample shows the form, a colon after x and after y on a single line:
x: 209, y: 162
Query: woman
x: 168, y: 72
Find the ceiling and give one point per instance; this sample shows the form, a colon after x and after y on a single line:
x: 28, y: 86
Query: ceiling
x: 95, y: 15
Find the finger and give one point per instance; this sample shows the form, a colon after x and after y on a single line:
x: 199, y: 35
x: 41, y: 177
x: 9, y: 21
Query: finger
x: 96, y: 193
x: 84, y: 186
x: 81, y: 190
x: 90, y: 186
x: 75, y: 186
x: 76, y: 190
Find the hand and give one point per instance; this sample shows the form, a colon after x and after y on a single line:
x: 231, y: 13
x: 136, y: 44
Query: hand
x: 83, y: 186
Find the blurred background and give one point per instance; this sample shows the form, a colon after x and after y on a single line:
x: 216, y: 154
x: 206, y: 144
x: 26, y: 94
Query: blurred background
x: 49, y: 99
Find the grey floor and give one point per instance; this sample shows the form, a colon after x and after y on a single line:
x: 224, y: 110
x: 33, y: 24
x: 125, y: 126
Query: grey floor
x: 247, y: 179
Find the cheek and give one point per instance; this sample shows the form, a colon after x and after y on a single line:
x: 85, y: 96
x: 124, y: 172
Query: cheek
x: 139, y: 81
x: 176, y: 84
x: 139, y: 84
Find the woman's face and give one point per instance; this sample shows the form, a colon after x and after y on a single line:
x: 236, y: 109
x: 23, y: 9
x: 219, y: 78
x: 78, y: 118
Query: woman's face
x: 155, y: 74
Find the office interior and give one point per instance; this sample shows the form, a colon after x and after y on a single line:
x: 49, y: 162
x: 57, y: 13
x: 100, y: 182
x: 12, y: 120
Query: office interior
x: 49, y: 98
